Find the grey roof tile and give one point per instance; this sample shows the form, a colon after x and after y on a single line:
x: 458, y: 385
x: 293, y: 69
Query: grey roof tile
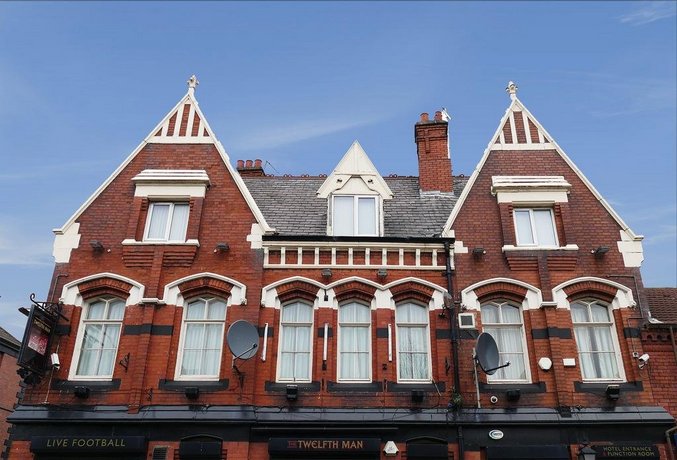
x: 291, y: 206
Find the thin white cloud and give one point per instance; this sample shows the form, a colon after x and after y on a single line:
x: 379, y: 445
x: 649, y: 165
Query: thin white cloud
x: 17, y: 247
x: 649, y: 12
x: 654, y: 213
x: 298, y: 131
x: 663, y: 233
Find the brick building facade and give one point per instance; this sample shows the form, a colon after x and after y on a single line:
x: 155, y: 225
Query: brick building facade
x: 366, y: 296
x: 9, y: 381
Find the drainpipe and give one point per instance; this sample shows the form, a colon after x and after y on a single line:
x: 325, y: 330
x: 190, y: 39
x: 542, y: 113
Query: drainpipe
x: 453, y: 329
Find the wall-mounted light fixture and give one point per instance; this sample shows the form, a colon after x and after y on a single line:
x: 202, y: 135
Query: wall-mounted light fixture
x: 81, y: 392
x: 382, y: 273
x: 97, y: 245
x: 326, y: 273
x: 600, y: 251
x: 478, y: 252
x: 192, y: 392
x: 513, y: 395
x: 221, y: 247
x: 417, y: 396
x: 292, y: 392
x: 613, y: 392
x: 586, y: 453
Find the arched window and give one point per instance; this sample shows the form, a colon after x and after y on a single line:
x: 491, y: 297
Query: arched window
x: 294, y: 356
x: 413, y: 342
x: 201, y: 346
x: 504, y: 322
x: 354, y: 342
x: 98, y: 337
x: 597, y: 350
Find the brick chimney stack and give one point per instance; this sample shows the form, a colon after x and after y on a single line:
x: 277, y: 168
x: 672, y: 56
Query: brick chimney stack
x: 250, y: 168
x: 432, y: 147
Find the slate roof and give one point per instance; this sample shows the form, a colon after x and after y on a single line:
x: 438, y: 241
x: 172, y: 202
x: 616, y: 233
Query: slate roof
x: 9, y: 338
x: 290, y: 205
x: 663, y: 304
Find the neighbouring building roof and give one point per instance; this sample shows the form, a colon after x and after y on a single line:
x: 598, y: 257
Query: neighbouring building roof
x: 9, y: 338
x: 291, y: 205
x: 663, y: 303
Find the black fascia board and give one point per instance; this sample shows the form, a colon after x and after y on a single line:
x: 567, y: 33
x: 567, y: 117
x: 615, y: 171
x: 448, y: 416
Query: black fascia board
x: 359, y: 239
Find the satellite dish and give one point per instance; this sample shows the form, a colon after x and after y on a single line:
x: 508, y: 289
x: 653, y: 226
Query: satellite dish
x: 486, y: 354
x: 242, y: 339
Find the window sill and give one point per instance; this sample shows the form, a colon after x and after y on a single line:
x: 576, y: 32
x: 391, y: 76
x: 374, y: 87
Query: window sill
x: 403, y: 387
x: 302, y: 386
x: 599, y: 387
x: 94, y: 385
x: 180, y: 385
x: 130, y: 242
x: 345, y: 387
x: 503, y: 386
x: 568, y: 247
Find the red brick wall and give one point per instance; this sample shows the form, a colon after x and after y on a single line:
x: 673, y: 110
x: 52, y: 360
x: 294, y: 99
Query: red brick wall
x: 662, y: 366
x: 9, y: 383
x: 583, y: 221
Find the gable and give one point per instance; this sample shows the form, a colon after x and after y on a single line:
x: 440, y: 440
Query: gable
x: 183, y: 125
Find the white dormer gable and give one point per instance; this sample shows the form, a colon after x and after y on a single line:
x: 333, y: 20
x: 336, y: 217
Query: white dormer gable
x: 355, y: 192
x: 355, y: 174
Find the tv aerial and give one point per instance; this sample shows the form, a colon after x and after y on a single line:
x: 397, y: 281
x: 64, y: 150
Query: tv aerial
x: 243, y: 341
x: 485, y: 354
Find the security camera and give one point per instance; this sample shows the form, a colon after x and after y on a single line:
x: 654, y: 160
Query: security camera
x: 643, y: 360
x: 54, y: 360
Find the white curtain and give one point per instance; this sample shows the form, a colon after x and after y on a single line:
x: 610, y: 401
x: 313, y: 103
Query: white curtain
x: 203, y: 339
x: 354, y: 320
x: 158, y: 221
x: 343, y: 216
x: 413, y: 352
x: 295, y: 342
x: 366, y: 219
x: 179, y: 224
x: 100, y: 341
x: 544, y: 227
x: 595, y: 344
x: 523, y: 224
x: 508, y: 337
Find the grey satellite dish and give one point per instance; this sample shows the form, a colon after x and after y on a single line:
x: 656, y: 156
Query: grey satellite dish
x: 486, y: 354
x: 242, y: 339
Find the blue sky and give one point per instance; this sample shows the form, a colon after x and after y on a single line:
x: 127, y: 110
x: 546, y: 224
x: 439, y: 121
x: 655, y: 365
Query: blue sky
x: 82, y: 83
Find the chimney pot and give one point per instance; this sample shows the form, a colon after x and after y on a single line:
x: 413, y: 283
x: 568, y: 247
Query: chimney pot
x: 257, y: 163
x: 424, y: 116
x: 240, y: 164
x: 248, y: 164
x: 438, y: 116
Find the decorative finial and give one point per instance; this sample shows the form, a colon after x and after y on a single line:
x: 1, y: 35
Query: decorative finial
x: 512, y: 90
x: 192, y: 83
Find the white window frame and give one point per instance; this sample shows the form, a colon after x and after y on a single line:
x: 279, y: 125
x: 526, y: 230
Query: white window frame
x: 588, y: 302
x: 79, y: 340
x: 356, y: 223
x: 398, y: 325
x: 341, y: 325
x: 168, y: 223
x: 503, y: 325
x: 532, y: 222
x: 311, y: 326
x: 182, y: 338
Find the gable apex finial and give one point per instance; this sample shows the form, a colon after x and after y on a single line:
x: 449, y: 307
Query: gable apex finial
x: 512, y: 90
x: 192, y: 84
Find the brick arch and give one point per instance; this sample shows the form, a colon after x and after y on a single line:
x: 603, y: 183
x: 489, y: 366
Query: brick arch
x: 205, y: 286
x: 412, y: 290
x: 501, y: 290
x: 590, y: 288
x: 354, y: 290
x: 297, y: 290
x: 104, y: 286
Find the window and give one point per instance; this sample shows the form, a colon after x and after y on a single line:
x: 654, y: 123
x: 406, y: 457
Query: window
x: 596, y: 350
x: 99, y: 344
x: 354, y: 342
x: 535, y: 227
x: 202, y: 339
x: 296, y: 325
x: 413, y: 349
x: 167, y: 222
x: 504, y: 322
x: 355, y: 215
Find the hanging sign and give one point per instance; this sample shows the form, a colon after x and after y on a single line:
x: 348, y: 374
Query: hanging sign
x: 40, y: 326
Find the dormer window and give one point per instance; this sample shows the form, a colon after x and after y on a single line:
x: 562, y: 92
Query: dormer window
x: 355, y: 215
x: 535, y: 227
x: 167, y: 222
